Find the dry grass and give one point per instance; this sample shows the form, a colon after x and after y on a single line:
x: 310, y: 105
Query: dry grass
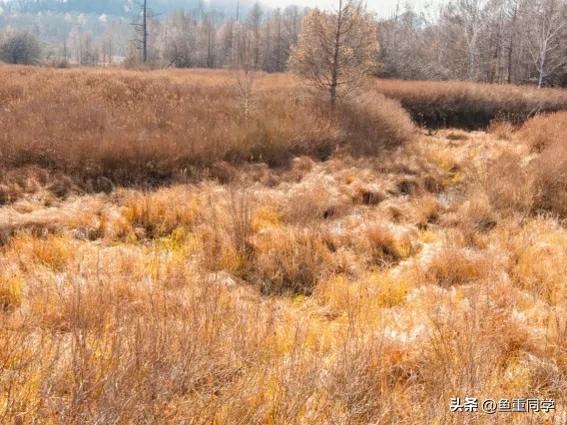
x: 532, y: 177
x: 544, y: 131
x: 470, y: 105
x: 103, y: 127
x: 356, y: 290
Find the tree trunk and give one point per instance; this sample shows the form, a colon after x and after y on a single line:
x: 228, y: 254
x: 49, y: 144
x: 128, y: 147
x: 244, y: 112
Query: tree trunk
x: 511, y: 45
x: 541, y: 70
x: 145, y: 32
x: 336, y: 58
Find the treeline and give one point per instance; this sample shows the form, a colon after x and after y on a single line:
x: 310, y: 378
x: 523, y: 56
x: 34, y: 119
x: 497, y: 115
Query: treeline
x: 496, y: 41
x: 499, y: 41
x: 259, y: 40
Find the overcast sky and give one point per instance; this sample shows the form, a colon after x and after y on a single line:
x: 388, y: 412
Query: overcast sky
x: 383, y: 8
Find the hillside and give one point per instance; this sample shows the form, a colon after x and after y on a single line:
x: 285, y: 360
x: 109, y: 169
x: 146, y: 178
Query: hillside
x: 108, y: 7
x: 196, y: 247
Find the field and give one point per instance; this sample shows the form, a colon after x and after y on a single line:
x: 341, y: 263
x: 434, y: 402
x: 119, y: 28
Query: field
x: 198, y: 247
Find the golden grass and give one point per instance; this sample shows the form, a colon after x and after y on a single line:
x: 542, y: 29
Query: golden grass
x: 532, y: 177
x: 544, y: 130
x: 356, y: 290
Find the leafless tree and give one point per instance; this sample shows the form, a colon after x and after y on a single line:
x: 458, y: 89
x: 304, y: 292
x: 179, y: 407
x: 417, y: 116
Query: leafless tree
x: 549, y: 20
x: 141, y: 25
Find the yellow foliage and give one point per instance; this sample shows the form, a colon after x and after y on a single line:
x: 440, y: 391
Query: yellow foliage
x: 180, y: 243
x: 392, y: 290
x: 159, y: 214
x: 53, y: 251
x: 231, y: 260
x: 265, y: 218
x: 10, y: 292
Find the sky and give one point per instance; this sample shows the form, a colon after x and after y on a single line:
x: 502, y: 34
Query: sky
x: 384, y: 8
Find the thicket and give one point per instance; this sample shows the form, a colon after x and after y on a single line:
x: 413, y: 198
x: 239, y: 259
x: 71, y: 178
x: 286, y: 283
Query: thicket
x: 135, y: 127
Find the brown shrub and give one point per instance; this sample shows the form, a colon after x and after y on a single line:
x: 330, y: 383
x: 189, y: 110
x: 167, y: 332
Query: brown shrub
x: 454, y: 265
x: 550, y: 180
x: 375, y: 122
x: 149, y: 127
x: 502, y: 129
x: 540, y: 186
x: 508, y: 184
x: 290, y: 261
x: 544, y: 130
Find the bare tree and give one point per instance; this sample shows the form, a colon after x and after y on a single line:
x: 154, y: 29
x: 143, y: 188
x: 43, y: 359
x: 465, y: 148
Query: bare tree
x: 544, y: 34
x: 181, y: 44
x: 141, y: 28
x: 512, y: 9
x: 469, y: 17
x: 335, y: 51
x: 145, y: 31
x: 253, y: 25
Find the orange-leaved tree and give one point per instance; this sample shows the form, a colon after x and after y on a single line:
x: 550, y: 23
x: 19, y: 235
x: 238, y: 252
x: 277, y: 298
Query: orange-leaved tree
x: 336, y: 50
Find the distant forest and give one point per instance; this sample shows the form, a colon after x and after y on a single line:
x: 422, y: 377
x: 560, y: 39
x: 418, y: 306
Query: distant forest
x: 109, y: 7
x: 500, y: 41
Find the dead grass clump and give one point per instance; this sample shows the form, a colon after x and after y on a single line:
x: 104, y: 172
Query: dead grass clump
x: 52, y: 251
x: 539, y: 263
x: 502, y: 130
x: 289, y: 261
x: 159, y: 213
x: 359, y: 381
x: 470, y: 105
x: 374, y: 123
x: 544, y: 130
x: 465, y: 344
x: 550, y: 180
x: 426, y: 211
x: 508, y: 184
x: 386, y: 246
x: 514, y: 186
x: 284, y: 126
x: 10, y: 293
x: 454, y: 265
x: 369, y: 195
x: 241, y: 207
